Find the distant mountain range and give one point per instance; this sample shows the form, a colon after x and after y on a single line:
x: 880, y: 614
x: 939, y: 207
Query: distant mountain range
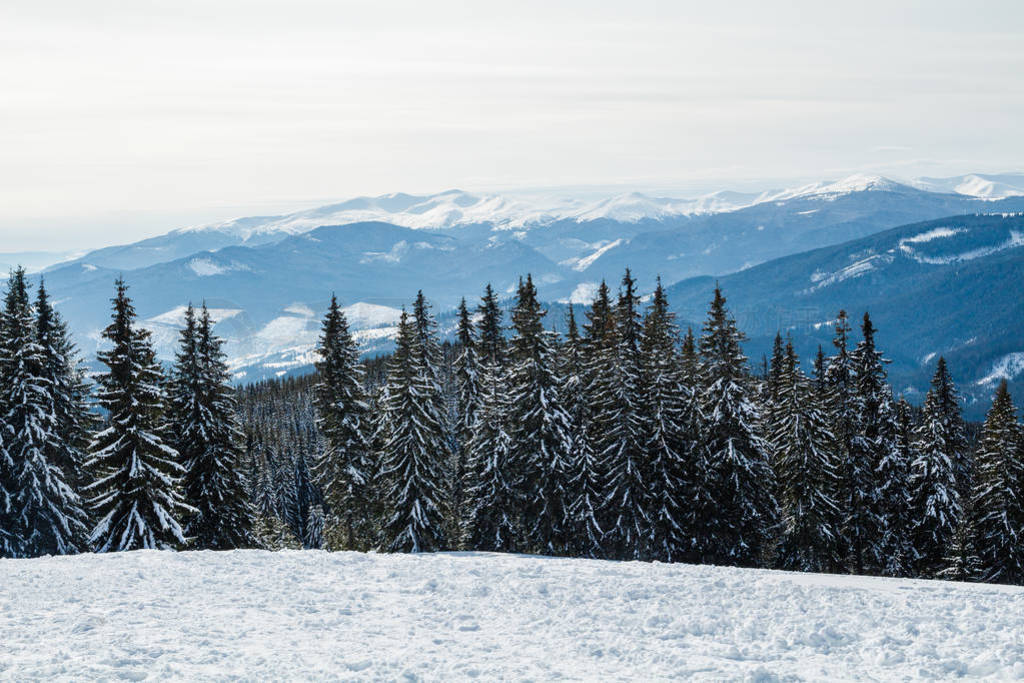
x: 950, y: 287
x: 269, y: 278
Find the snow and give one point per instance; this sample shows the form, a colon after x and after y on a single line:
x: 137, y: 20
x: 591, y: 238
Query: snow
x: 584, y: 293
x: 857, y: 269
x: 310, y: 614
x: 1015, y: 240
x: 205, y: 267
x: 587, y: 261
x: 176, y: 316
x: 930, y: 235
x: 990, y: 187
x: 1008, y: 367
x: 362, y: 315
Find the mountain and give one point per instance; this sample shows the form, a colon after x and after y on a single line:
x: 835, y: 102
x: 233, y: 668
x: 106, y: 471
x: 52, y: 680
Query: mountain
x: 984, y: 186
x: 268, y: 298
x: 270, y: 277
x: 948, y: 287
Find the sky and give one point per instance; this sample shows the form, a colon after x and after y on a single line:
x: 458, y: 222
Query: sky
x: 121, y: 120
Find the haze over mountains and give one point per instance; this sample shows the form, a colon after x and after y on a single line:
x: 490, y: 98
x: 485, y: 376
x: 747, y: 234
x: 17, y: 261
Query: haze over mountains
x: 268, y: 278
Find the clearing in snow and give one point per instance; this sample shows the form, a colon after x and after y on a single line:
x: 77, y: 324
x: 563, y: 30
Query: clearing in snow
x: 304, y: 614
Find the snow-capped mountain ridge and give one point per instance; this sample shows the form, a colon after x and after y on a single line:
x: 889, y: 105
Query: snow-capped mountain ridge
x: 454, y: 208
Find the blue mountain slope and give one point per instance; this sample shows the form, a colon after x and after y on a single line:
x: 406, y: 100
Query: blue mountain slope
x: 947, y: 287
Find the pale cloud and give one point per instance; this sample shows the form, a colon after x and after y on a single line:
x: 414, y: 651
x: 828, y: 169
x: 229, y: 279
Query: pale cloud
x: 122, y: 119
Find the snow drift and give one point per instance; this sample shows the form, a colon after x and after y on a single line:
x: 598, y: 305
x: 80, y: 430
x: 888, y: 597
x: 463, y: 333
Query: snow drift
x: 312, y: 614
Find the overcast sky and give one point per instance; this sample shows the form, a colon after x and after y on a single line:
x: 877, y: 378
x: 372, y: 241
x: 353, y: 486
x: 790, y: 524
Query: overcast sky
x: 120, y: 120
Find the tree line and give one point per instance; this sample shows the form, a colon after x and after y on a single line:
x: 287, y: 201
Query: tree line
x: 624, y: 438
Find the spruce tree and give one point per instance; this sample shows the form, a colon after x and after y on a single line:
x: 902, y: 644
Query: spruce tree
x: 345, y: 468
x: 414, y: 449
x: 872, y: 440
x: 841, y: 402
x: 537, y: 425
x: 583, y: 498
x: 208, y: 440
x: 667, y: 445
x: 619, y: 429
x: 70, y: 390
x: 734, y: 526
x: 493, y: 495
x: 999, y: 493
x: 697, y: 490
x: 491, y: 340
x: 938, y: 471
x: 807, y: 473
x: 468, y: 398
x: 136, y: 497
x: 893, y: 476
x: 46, y: 515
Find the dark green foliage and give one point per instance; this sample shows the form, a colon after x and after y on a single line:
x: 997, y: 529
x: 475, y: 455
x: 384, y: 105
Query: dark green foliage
x: 136, y: 496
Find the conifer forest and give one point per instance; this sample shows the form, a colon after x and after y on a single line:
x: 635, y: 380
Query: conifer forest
x: 624, y: 438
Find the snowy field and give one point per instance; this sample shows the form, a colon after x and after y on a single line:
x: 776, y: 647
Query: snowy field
x: 313, y: 614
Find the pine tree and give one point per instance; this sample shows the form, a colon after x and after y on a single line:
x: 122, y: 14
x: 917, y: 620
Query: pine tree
x: 345, y: 468
x: 999, y: 493
x: 697, y: 489
x: 871, y: 442
x: 468, y: 398
x: 961, y: 561
x: 208, y: 440
x: 46, y: 515
x: 69, y: 390
x: 736, y: 526
x: 806, y: 471
x: 841, y: 402
x: 415, y: 448
x: 893, y: 477
x: 315, y: 528
x: 583, y: 498
x: 937, y: 472
x: 537, y: 426
x: 491, y: 340
x: 493, y: 491
x: 619, y: 429
x: 136, y: 495
x: 668, y: 444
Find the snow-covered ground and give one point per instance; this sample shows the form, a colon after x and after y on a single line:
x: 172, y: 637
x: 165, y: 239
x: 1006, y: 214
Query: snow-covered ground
x: 314, y: 614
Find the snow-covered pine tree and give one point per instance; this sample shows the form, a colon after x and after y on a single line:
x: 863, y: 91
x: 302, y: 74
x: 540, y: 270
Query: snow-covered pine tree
x: 208, y: 440
x: 668, y: 442
x: 698, y: 491
x: 136, y: 496
x: 818, y: 376
x: 742, y: 515
x: 492, y: 493
x: 937, y: 473
x: 871, y: 442
x: 620, y: 430
x: 491, y: 343
x: 344, y: 470
x: 773, y: 374
x: 46, y: 515
x: 537, y: 426
x: 69, y: 390
x: 583, y: 498
x: 806, y: 471
x: 841, y: 403
x: 999, y: 493
x: 414, y: 451
x: 961, y: 560
x: 468, y: 398
x: 893, y: 477
x: 315, y: 523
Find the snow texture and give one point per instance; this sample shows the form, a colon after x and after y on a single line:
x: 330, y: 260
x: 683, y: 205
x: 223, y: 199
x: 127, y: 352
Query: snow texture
x: 311, y: 614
